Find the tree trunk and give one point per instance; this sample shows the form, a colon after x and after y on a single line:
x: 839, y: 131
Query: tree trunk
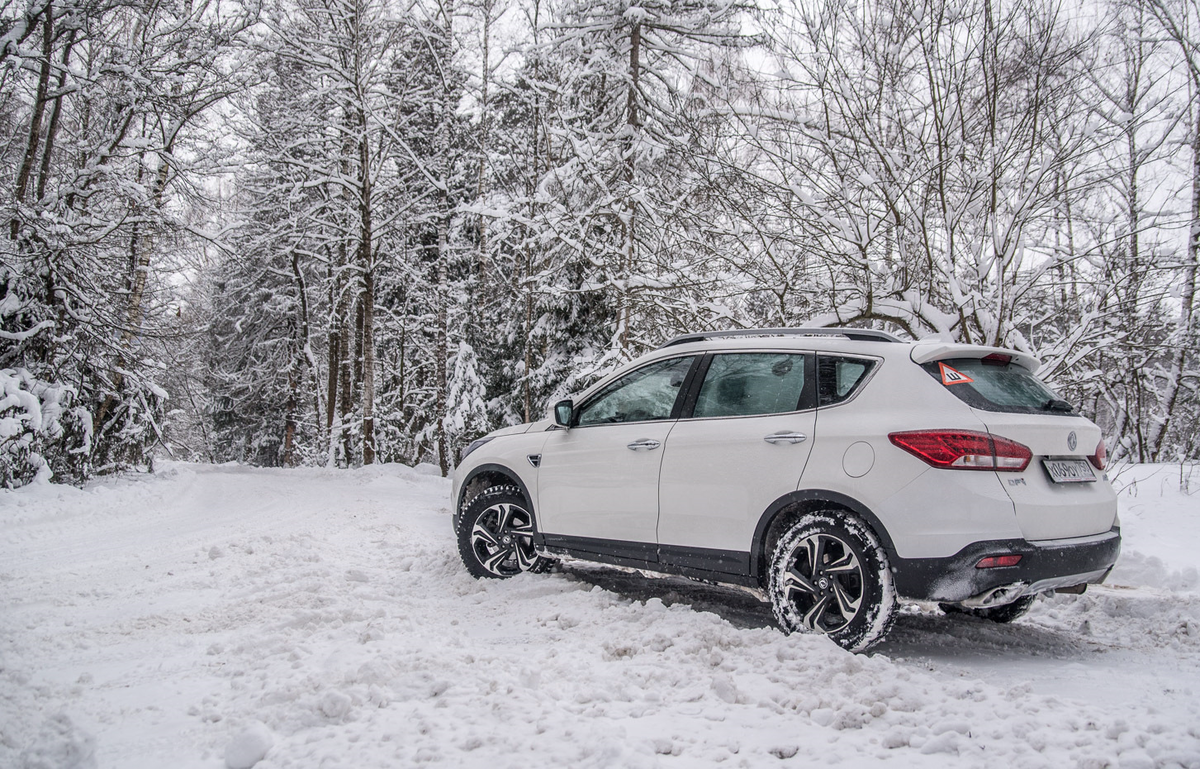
x: 527, y: 274
x: 366, y: 263
x: 368, y: 401
x: 345, y: 377
x: 485, y: 122
x: 35, y: 120
x: 55, y: 112
x: 334, y: 345
x: 289, y: 420
x: 633, y: 124
x: 443, y: 350
x: 1187, y: 297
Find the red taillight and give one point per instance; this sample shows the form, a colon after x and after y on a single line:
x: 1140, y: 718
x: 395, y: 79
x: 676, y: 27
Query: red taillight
x: 964, y: 450
x: 993, y: 561
x: 1099, y: 459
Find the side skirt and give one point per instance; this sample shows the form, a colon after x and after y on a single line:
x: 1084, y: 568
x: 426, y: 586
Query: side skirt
x: 727, y: 566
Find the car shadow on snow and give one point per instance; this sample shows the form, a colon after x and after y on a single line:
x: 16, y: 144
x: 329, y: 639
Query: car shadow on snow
x: 740, y: 608
x: 921, y: 629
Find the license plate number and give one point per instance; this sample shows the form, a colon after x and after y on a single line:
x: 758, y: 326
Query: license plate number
x: 1069, y: 470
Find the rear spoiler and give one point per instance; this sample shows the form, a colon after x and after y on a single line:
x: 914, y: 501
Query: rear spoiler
x: 924, y: 352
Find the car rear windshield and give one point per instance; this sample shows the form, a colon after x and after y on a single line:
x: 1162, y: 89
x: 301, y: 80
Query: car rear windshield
x: 997, y: 385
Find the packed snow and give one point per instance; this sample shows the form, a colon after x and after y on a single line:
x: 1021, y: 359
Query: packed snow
x: 225, y: 616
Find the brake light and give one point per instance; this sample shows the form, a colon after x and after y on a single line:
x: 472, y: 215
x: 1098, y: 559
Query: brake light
x: 964, y: 450
x: 1100, y: 458
x: 994, y: 561
x: 997, y: 359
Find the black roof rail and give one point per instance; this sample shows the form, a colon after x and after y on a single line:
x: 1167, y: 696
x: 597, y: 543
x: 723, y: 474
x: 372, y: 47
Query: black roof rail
x: 855, y: 334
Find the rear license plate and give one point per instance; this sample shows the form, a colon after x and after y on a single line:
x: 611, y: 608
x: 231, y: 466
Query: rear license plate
x: 1069, y: 470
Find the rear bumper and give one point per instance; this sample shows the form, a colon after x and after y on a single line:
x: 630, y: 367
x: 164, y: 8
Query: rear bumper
x: 1044, y: 565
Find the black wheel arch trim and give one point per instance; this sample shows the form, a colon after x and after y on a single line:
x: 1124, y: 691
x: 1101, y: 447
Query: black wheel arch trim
x: 513, y: 476
x: 758, y: 555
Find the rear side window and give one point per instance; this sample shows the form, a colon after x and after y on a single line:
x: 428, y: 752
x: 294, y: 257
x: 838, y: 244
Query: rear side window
x: 746, y: 384
x: 838, y: 378
x: 997, y: 385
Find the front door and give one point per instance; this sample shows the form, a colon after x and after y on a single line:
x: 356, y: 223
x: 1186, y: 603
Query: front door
x: 598, y: 481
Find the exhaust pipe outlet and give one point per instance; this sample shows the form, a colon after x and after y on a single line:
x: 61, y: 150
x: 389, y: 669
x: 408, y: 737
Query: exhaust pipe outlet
x: 997, y: 596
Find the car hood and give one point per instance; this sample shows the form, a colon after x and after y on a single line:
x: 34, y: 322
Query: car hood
x: 518, y: 429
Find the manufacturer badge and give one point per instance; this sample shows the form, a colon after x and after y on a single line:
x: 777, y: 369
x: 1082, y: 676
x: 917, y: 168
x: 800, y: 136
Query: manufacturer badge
x: 1072, y: 441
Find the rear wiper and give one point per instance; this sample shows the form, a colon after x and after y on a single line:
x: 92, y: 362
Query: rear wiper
x: 1055, y: 404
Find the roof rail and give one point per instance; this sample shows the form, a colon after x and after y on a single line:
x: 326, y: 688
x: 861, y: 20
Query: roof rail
x: 855, y: 334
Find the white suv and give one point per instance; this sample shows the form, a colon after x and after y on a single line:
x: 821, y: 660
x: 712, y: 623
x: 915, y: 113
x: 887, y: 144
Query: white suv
x: 835, y: 469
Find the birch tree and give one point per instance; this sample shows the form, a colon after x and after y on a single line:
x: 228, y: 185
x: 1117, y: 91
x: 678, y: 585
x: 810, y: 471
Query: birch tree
x: 1180, y: 21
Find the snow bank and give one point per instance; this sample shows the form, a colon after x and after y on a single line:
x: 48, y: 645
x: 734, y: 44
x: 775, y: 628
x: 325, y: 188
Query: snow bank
x: 1160, y: 518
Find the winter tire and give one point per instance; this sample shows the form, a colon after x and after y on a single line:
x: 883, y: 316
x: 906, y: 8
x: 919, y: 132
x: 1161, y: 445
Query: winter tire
x: 1002, y: 614
x: 828, y: 574
x: 495, y: 535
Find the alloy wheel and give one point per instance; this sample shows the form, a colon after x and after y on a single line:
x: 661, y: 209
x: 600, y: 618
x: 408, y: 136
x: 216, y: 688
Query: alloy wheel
x: 502, y: 539
x: 824, y: 582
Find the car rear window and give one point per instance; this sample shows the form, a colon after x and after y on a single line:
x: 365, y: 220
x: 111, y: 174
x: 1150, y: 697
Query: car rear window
x: 997, y: 385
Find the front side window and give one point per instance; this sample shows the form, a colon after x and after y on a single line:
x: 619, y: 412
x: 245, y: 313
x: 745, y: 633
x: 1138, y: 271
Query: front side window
x: 643, y: 395
x: 996, y: 384
x: 746, y: 384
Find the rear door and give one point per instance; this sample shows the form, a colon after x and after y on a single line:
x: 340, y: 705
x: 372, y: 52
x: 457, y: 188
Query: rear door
x: 1061, y: 493
x: 742, y: 445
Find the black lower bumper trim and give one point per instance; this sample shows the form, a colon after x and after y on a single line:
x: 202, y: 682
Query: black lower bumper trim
x: 956, y: 579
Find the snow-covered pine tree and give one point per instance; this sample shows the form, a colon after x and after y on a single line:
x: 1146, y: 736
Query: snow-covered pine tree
x: 467, y: 417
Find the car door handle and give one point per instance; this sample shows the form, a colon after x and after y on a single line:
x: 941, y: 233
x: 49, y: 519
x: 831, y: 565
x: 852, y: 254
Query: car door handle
x: 645, y: 444
x: 786, y: 438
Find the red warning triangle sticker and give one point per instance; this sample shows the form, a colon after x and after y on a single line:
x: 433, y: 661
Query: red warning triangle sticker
x: 952, y: 376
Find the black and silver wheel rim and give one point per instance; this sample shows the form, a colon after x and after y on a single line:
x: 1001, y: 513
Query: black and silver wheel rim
x: 823, y: 582
x: 502, y: 539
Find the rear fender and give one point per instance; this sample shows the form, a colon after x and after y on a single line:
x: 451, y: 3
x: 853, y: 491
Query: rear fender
x: 808, y: 500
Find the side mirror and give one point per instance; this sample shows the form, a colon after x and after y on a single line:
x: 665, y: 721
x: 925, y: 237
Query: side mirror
x: 563, y: 412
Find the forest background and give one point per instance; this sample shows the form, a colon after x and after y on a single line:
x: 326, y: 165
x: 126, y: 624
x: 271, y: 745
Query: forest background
x: 350, y: 231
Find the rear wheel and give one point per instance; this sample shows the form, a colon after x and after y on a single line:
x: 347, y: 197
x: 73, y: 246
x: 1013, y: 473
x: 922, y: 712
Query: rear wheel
x: 495, y: 535
x: 1002, y: 614
x: 829, y: 575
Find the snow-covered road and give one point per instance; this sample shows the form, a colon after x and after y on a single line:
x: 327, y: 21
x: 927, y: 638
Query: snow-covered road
x: 194, y: 617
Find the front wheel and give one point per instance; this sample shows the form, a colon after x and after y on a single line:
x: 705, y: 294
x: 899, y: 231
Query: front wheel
x: 830, y: 575
x: 495, y: 535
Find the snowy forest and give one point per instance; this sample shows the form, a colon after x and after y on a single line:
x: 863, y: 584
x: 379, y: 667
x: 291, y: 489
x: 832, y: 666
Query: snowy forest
x: 338, y: 232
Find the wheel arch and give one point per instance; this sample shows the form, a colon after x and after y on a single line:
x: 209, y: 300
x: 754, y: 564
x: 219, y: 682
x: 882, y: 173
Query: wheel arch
x: 775, y: 520
x: 486, y: 476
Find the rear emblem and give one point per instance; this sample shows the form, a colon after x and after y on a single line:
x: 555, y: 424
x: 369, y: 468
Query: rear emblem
x: 1072, y: 441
